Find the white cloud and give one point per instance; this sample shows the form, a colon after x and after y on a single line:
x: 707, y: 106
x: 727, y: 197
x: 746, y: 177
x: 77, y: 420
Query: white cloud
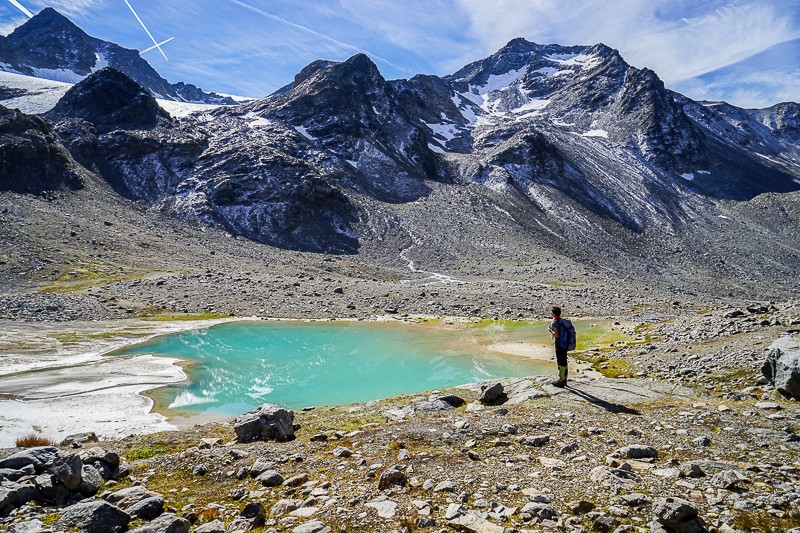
x: 655, y: 34
x: 11, y: 25
x: 70, y: 8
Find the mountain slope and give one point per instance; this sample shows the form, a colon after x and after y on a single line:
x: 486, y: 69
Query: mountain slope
x: 50, y: 46
x: 536, y: 150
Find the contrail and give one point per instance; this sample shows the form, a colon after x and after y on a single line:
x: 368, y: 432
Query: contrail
x: 155, y: 46
x: 145, y: 29
x: 21, y: 8
x: 317, y: 34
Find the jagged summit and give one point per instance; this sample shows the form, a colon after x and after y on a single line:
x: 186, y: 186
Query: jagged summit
x: 51, y: 46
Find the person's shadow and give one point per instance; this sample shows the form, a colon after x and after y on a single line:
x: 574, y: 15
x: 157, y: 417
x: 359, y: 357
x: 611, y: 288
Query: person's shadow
x: 608, y: 406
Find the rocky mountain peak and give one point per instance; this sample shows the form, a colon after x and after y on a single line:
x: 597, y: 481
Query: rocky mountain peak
x: 48, y: 19
x: 110, y: 100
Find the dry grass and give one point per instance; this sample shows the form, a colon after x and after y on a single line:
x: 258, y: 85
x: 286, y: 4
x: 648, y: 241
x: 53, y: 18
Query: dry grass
x: 33, y: 440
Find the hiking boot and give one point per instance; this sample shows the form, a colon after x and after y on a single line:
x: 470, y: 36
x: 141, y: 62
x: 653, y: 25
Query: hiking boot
x: 560, y: 383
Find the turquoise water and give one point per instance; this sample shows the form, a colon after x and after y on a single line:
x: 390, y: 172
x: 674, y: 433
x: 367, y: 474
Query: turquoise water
x: 241, y: 365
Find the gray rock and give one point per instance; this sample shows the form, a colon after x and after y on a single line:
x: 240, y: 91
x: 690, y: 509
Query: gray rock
x: 94, y: 517
x: 96, y: 453
x: 539, y: 511
x: 252, y: 516
x: 261, y: 466
x: 473, y: 523
x: 782, y: 366
x: 444, y: 486
x: 148, y: 508
x: 675, y: 515
x: 691, y: 470
x: 127, y: 498
x: 613, y: 477
x: 393, y: 475
x: 166, y: 523
x: 341, y: 451
x: 40, y: 457
x: 13, y: 474
x: 67, y: 470
x: 634, y: 499
x: 434, y: 406
x: 200, y: 470
x: 536, y: 440
x: 268, y: 422
x: 605, y: 523
x: 296, y: 481
x: 270, y: 478
x: 729, y: 480
x: 33, y: 525
x: 282, y: 507
x: 315, y: 526
x: 79, y: 439
x: 217, y: 526
x: 51, y: 489
x: 8, y: 497
x: 491, y: 394
x: 638, y: 451
x: 91, y: 480
x: 701, y: 441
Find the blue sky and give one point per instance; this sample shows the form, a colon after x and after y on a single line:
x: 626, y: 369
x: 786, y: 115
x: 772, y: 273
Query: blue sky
x: 746, y: 52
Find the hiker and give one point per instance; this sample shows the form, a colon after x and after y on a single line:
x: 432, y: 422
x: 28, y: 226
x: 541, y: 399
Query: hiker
x: 564, y: 339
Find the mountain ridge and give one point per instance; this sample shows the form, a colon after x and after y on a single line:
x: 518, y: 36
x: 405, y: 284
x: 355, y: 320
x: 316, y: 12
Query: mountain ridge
x: 51, y: 46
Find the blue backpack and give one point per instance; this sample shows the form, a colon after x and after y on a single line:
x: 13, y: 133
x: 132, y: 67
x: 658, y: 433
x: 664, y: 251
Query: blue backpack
x: 566, y: 334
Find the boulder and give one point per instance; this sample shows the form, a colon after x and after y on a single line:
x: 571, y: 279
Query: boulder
x: 79, y: 439
x: 638, y: 451
x: 491, y: 394
x: 270, y: 478
x: 268, y: 422
x: 33, y: 525
x: 95, y: 454
x: 40, y: 457
x: 252, y: 516
x: 539, y: 511
x: 166, y: 523
x: 782, y: 366
x: 94, y: 517
x: 675, y: 515
x: 147, y: 509
x: 91, y: 480
x: 393, y: 475
x: 129, y: 497
x: 217, y: 526
x: 475, y: 524
x: 614, y: 478
x: 67, y: 470
x: 8, y: 497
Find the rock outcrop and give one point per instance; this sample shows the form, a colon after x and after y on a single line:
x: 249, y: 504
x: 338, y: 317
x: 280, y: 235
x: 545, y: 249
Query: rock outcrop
x: 782, y: 366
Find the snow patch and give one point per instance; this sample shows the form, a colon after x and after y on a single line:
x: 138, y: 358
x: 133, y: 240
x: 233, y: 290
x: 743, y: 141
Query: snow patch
x: 580, y: 60
x: 687, y: 176
x: 435, y: 148
x: 547, y: 71
x: 557, y: 122
x: 534, y: 104
x: 797, y: 181
x: 256, y: 120
x: 42, y: 95
x: 703, y: 172
x: 304, y: 132
x: 595, y: 133
x: 445, y: 131
x: 183, y: 109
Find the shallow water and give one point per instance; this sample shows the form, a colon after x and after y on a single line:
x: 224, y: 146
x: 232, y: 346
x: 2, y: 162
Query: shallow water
x: 237, y: 366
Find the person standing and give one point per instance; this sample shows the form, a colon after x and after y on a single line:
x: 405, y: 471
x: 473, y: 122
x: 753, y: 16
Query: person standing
x: 561, y: 351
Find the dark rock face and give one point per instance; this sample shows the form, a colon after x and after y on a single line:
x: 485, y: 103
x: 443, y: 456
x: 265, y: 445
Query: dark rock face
x: 110, y: 100
x: 51, y: 41
x: 32, y: 158
x: 782, y: 366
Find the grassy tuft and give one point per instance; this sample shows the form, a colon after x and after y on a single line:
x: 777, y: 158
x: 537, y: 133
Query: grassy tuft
x: 147, y: 452
x: 32, y: 440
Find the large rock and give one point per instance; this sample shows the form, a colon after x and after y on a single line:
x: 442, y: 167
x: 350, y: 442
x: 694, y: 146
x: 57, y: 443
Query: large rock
x: 41, y: 458
x: 252, y: 516
x: 491, y: 394
x: 782, y: 366
x: 148, y: 508
x: 8, y: 497
x: 166, y: 523
x: 674, y: 515
x: 79, y: 439
x: 393, y: 475
x: 474, y: 524
x: 268, y: 422
x: 94, y: 517
x: 67, y: 470
x: 127, y: 498
x: 91, y: 480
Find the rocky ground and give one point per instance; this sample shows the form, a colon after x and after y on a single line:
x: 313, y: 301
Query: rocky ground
x: 697, y: 439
